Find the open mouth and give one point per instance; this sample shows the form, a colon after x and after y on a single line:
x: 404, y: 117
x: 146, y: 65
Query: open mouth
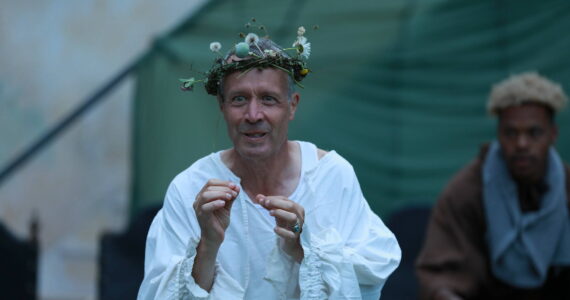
x: 255, y: 135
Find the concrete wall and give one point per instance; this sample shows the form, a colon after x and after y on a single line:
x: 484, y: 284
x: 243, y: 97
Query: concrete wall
x: 53, y: 55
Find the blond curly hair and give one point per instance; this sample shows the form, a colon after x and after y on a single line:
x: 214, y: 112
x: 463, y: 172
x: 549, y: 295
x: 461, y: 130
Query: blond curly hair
x: 528, y: 87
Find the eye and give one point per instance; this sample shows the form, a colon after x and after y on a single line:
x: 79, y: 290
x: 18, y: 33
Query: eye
x: 535, y: 132
x: 509, y: 132
x: 269, y: 99
x: 237, y: 100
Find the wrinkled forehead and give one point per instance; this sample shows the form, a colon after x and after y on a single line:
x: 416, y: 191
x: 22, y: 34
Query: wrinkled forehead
x: 267, y: 79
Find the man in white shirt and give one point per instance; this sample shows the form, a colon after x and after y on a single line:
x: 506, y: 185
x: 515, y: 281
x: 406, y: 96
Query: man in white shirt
x: 269, y: 218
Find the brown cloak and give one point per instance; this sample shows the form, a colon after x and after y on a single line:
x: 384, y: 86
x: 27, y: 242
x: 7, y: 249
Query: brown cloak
x: 455, y: 256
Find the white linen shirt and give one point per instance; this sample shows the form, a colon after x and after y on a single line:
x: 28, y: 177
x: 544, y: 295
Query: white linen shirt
x: 348, y: 252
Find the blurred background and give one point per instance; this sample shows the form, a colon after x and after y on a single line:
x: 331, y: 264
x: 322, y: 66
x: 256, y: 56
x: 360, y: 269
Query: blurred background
x: 93, y: 125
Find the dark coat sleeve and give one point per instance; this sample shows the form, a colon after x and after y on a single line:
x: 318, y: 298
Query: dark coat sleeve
x: 453, y: 255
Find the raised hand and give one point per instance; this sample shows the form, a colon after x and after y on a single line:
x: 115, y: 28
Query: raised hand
x: 212, y: 206
x: 289, y: 218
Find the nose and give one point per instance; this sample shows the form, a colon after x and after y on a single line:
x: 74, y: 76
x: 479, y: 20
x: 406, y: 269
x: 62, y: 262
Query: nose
x: 253, y: 112
x: 522, y: 141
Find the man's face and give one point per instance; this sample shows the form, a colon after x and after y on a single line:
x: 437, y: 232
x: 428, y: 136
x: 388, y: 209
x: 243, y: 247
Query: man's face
x: 257, y: 111
x: 525, y: 133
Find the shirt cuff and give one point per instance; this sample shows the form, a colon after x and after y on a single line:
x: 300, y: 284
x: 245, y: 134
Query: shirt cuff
x: 224, y: 287
x: 324, y: 272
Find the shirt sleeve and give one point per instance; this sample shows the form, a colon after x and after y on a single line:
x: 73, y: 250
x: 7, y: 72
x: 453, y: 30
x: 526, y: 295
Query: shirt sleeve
x: 170, y: 253
x: 348, y: 251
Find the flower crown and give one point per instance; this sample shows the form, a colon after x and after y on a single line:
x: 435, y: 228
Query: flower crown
x: 255, y: 52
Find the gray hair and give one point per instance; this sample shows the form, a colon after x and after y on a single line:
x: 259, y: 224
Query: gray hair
x: 523, y: 88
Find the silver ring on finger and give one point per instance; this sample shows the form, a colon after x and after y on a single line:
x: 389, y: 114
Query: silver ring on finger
x: 297, y: 227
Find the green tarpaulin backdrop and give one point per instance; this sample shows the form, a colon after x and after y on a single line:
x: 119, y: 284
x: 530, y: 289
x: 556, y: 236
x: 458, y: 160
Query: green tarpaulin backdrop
x: 398, y: 87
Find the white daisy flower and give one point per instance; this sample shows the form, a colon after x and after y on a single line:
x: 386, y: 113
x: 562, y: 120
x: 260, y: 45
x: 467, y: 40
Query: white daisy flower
x: 251, y: 38
x: 215, y: 46
x: 303, y: 47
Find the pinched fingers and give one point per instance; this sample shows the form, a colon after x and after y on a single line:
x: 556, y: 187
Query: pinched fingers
x: 276, y: 202
x: 279, y: 202
x: 209, y: 196
x: 218, y: 184
x: 288, y: 224
x: 283, y: 217
x: 213, y: 190
x: 289, y: 216
x: 212, y: 206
